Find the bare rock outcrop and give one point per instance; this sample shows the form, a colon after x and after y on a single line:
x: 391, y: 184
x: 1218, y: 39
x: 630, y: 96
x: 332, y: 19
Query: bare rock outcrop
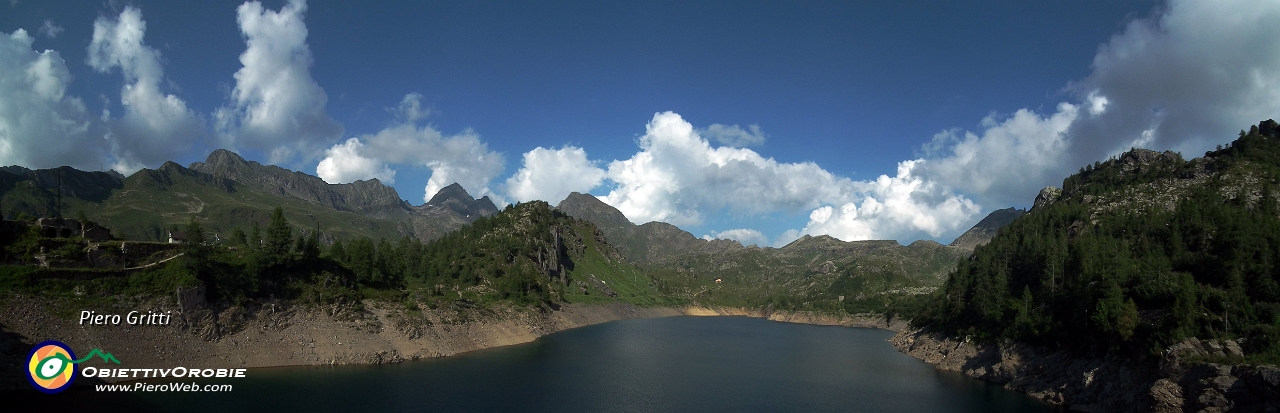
x: 1110, y: 383
x: 1046, y: 196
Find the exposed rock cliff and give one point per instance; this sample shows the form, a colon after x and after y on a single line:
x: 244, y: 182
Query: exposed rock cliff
x: 1045, y: 197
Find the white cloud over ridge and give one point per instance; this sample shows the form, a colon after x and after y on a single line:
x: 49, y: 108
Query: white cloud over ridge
x: 678, y: 177
x: 463, y: 158
x: 156, y: 126
x: 744, y: 236
x: 346, y: 163
x: 551, y: 174
x: 40, y: 125
x: 1011, y: 157
x: 898, y: 207
x: 276, y: 106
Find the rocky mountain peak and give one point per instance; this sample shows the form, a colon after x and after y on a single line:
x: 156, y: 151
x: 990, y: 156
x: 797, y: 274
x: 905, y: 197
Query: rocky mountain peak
x: 452, y: 192
x: 223, y: 157
x: 590, y: 208
x: 455, y: 198
x: 486, y: 204
x: 225, y: 164
x: 171, y: 167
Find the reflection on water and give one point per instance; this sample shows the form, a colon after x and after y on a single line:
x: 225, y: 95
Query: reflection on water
x: 674, y: 364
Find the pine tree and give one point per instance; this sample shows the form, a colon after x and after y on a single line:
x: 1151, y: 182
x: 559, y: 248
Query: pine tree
x: 255, y: 237
x: 238, y: 237
x: 337, y: 252
x: 279, y: 236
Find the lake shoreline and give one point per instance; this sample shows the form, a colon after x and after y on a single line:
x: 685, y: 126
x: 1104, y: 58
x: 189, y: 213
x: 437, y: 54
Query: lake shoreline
x: 277, y: 335
x: 1177, y: 382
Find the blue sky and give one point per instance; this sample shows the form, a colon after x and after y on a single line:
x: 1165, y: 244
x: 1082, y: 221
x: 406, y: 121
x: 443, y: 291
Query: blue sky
x: 757, y: 121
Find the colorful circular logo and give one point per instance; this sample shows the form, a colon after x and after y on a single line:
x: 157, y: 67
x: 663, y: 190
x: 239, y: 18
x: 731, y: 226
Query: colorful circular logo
x: 50, y: 366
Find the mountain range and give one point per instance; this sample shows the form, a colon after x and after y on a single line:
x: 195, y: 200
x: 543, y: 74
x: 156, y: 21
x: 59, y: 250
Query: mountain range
x: 226, y: 191
x: 816, y: 271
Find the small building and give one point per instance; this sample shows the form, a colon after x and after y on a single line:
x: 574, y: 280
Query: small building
x: 58, y: 227
x: 176, y: 237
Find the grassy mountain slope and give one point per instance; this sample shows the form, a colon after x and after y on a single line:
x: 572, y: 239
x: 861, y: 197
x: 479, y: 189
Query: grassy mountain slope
x: 152, y: 201
x: 810, y: 273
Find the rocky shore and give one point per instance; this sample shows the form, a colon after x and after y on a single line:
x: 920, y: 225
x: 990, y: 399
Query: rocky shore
x: 1179, y: 382
x: 277, y: 334
x: 272, y: 335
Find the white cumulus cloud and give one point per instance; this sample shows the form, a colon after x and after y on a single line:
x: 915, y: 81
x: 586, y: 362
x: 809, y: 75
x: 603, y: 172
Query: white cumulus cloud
x: 678, y: 177
x: 345, y: 163
x: 40, y: 125
x: 551, y: 174
x: 903, y: 207
x: 276, y: 106
x: 462, y: 158
x: 156, y: 126
x: 1012, y: 156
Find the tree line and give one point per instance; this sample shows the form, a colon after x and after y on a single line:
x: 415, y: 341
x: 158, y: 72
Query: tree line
x: 502, y: 255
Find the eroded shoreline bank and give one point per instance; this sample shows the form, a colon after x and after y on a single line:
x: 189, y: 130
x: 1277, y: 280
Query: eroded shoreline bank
x: 277, y: 335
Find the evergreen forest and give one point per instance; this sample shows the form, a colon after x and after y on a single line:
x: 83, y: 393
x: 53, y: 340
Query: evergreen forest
x: 1136, y: 254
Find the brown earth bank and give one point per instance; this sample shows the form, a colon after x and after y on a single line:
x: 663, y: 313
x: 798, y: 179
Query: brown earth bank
x: 802, y: 317
x: 1178, y: 382
x: 278, y: 334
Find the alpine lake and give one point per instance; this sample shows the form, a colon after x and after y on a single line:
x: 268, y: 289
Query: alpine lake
x: 672, y: 364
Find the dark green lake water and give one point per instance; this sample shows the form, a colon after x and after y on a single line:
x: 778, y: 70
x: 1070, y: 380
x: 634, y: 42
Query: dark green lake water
x: 673, y: 364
